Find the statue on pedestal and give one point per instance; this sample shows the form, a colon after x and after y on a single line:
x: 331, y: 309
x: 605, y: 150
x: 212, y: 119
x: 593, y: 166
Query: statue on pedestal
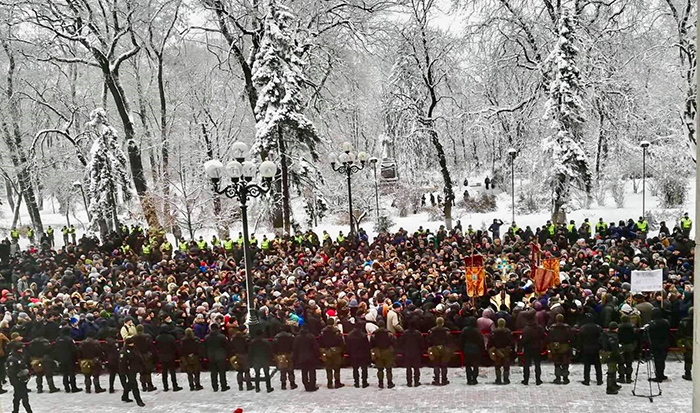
x: 388, y: 166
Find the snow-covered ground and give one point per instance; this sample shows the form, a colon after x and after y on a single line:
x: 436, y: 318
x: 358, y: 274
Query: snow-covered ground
x: 456, y: 397
x: 609, y: 212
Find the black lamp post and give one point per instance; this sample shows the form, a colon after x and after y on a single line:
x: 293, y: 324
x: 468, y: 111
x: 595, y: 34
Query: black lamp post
x: 242, y: 188
x: 347, y: 163
x: 373, y: 162
x: 512, y: 152
x: 644, y: 145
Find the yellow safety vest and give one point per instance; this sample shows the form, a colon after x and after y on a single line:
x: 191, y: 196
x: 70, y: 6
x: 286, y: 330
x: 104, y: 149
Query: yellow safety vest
x: 146, y: 249
x: 183, y: 246
x: 14, y: 234
x: 340, y: 239
x: 601, y: 226
x: 265, y: 244
x: 253, y: 241
x: 72, y: 230
x: 49, y: 231
x: 166, y: 246
x: 228, y: 245
x: 125, y: 249
x: 202, y: 244
x: 216, y: 242
x: 571, y: 227
x: 686, y: 223
x: 551, y: 229
x: 642, y: 226
x: 239, y: 241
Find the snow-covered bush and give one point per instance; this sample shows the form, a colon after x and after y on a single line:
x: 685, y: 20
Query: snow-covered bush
x: 407, y: 199
x: 617, y: 188
x: 383, y: 224
x: 671, y: 189
x: 484, y: 202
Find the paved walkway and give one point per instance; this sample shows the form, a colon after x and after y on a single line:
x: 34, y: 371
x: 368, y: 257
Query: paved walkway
x: 456, y: 397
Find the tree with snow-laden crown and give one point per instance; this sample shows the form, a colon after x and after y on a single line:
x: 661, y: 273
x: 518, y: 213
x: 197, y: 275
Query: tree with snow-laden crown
x: 106, y: 173
x: 569, y: 165
x: 281, y: 127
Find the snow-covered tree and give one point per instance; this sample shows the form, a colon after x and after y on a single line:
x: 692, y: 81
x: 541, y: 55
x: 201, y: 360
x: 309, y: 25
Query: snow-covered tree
x: 106, y: 171
x: 281, y: 126
x: 569, y: 164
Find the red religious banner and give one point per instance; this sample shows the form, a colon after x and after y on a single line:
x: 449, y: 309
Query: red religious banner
x: 474, y: 261
x: 476, y: 281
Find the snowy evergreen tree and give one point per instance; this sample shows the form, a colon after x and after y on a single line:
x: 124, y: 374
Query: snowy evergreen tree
x: 281, y: 126
x: 569, y: 165
x: 106, y: 172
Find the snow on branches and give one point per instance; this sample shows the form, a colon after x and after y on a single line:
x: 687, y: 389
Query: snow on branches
x: 569, y: 164
x: 107, y: 169
x: 278, y: 77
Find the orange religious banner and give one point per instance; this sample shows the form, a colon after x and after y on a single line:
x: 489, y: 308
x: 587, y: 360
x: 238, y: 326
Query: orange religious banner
x: 475, y: 278
x: 543, y: 280
x: 553, y: 265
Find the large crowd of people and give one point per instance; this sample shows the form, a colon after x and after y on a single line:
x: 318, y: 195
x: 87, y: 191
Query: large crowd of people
x: 134, y: 303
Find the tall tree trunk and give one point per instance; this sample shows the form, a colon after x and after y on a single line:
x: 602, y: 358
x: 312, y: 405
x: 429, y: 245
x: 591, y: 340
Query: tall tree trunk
x: 13, y: 140
x: 9, y: 193
x: 561, y: 188
x: 112, y: 78
x: 165, y: 147
x: 221, y: 229
x: 447, y: 179
x: 284, y: 165
x: 15, y: 212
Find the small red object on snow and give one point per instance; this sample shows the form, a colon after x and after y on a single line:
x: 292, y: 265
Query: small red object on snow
x: 239, y: 410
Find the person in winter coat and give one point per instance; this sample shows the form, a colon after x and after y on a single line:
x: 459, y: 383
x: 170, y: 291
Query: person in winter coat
x: 471, y: 341
x: 559, y: 348
x: 495, y: 228
x: 110, y: 348
x: 18, y: 373
x: 40, y: 355
x: 371, y: 321
x: 306, y: 353
x: 217, y: 346
x: 332, y: 346
x: 128, y: 329
x: 393, y: 319
x: 500, y: 348
x: 200, y: 327
x: 239, y: 348
x: 412, y: 346
x: 533, y: 342
x: 130, y: 363
x: 91, y: 357
x: 555, y: 308
x: 658, y: 335
x: 190, y: 348
x: 260, y: 353
x: 359, y: 354
x: 611, y: 355
x: 167, y: 354
x: 383, y: 346
x: 685, y: 332
x: 144, y: 344
x: 627, y: 336
x: 485, y: 323
x: 67, y: 355
x: 283, y: 348
x: 439, y: 351
x: 589, y: 337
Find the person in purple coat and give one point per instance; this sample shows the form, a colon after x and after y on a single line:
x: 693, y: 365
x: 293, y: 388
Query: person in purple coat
x: 200, y: 327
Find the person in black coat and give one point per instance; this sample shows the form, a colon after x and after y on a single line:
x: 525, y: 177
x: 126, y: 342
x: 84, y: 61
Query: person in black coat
x: 91, y: 357
x: 658, y: 336
x: 532, y: 341
x: 331, y: 343
x: 67, y: 355
x: 260, y: 353
x: 384, y: 345
x: 41, y: 360
x: 471, y: 342
x: 359, y: 354
x: 306, y: 353
x: 628, y: 339
x: 412, y: 345
x: 560, y: 337
x: 439, y: 351
x: 589, y: 337
x: 239, y: 344
x: 283, y: 348
x: 18, y: 373
x: 144, y: 344
x: 190, y: 348
x: 110, y: 347
x: 130, y: 363
x: 167, y: 353
x: 217, y: 346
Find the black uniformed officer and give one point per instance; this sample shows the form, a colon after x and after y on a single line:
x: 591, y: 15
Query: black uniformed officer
x: 42, y: 363
x: 217, y: 350
x: 332, y: 346
x: 144, y: 344
x: 306, y: 354
x: 167, y: 352
x: 628, y: 345
x: 439, y: 351
x: 589, y: 343
x: 190, y: 348
x: 383, y: 346
x: 131, y: 363
x: 67, y: 355
x: 611, y: 355
x: 685, y: 331
x: 560, y: 337
x: 283, y: 347
x: 18, y: 373
x: 91, y: 357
